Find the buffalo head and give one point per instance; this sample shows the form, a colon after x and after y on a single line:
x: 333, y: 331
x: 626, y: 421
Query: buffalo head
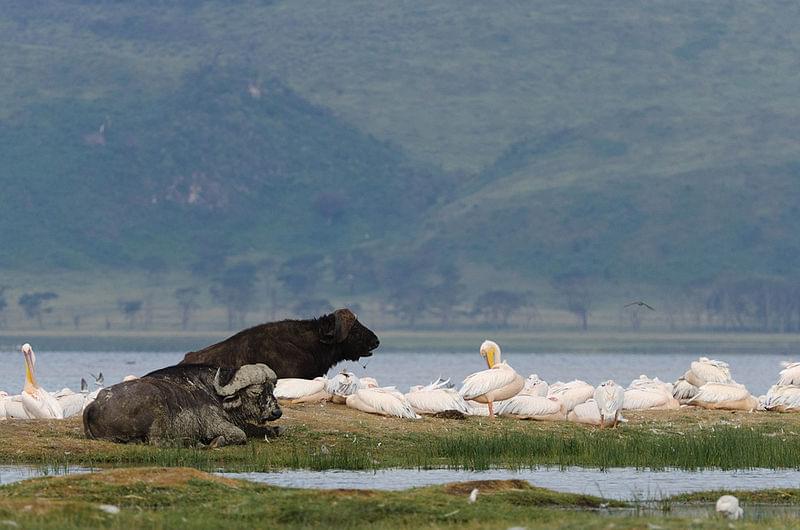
x: 248, y: 394
x: 350, y: 337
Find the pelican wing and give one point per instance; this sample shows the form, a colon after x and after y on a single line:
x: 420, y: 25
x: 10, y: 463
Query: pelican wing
x: 527, y: 406
x: 483, y: 382
x: 720, y: 392
x: 343, y: 384
x: 784, y: 396
x: 572, y: 393
x: 790, y: 375
x: 41, y: 405
x: 438, y: 400
x: 645, y: 398
x: 294, y: 388
x: 72, y: 404
x: 711, y: 371
x: 386, y: 401
x: 13, y: 409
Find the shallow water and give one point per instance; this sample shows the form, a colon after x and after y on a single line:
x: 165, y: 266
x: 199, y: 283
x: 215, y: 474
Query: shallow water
x: 617, y: 483
x: 9, y: 474
x: 56, y: 370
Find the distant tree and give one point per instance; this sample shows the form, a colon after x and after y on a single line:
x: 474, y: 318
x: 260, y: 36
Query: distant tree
x: 34, y: 304
x: 574, y: 287
x: 301, y: 274
x: 446, y: 292
x: 356, y: 271
x: 187, y: 303
x: 130, y: 309
x: 235, y: 288
x: 497, y: 306
x: 3, y: 305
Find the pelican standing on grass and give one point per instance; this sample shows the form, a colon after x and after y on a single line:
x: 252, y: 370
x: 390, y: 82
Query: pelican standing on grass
x: 497, y: 383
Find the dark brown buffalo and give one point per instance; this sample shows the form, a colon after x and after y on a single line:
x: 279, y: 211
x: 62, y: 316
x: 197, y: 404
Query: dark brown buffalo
x: 293, y: 348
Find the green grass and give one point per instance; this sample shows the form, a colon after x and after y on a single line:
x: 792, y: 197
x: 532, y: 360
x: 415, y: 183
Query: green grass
x: 339, y: 438
x: 185, y: 498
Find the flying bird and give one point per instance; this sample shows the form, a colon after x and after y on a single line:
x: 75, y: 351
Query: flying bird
x: 640, y: 304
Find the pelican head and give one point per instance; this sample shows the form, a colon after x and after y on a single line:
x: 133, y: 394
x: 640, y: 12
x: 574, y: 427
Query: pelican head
x: 30, y: 361
x: 491, y: 352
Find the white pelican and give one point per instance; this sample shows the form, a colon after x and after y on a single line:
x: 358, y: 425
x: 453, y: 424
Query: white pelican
x: 790, y: 375
x: 589, y: 413
x: 572, y: 393
x: 610, y: 398
x: 727, y: 396
x: 783, y: 398
x: 71, y: 403
x: 477, y: 409
x: 497, y: 383
x: 683, y: 391
x: 649, y: 394
x: 728, y: 506
x: 535, y: 386
x: 298, y: 390
x: 38, y: 403
x: 531, y: 407
x: 705, y: 370
x: 436, y: 397
x: 342, y: 385
x: 386, y: 401
x: 368, y: 382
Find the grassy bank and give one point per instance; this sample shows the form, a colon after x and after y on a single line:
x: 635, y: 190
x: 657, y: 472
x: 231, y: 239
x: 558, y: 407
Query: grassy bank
x: 187, y: 498
x: 334, y: 437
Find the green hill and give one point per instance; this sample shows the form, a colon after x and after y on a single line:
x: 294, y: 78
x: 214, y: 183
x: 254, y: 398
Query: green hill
x: 627, y: 142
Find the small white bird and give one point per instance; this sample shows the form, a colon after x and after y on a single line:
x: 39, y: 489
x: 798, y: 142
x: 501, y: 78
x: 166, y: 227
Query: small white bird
x: 610, y: 398
x: 728, y: 506
x: 473, y: 495
x: 497, y: 383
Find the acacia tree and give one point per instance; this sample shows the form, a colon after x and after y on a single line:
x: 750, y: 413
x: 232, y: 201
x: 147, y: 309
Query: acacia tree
x: 235, y: 289
x: 130, y: 309
x: 34, y: 304
x: 3, y: 304
x: 187, y: 303
x: 498, y: 305
x: 574, y: 287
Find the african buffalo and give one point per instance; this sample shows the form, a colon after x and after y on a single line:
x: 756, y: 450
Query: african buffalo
x: 183, y: 405
x: 293, y: 348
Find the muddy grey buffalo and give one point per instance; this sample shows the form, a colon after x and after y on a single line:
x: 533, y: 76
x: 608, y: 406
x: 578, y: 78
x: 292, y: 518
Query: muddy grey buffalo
x: 293, y: 348
x: 187, y: 405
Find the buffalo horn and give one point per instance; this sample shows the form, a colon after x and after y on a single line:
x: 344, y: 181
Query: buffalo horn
x: 249, y: 374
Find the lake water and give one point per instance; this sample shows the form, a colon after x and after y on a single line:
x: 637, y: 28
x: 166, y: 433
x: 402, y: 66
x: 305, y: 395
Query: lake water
x: 619, y: 483
x: 54, y: 369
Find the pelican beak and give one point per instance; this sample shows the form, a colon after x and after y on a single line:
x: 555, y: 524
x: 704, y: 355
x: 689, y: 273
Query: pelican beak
x: 30, y: 378
x: 490, y: 358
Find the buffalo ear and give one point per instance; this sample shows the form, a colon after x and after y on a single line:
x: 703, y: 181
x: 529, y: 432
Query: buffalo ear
x: 327, y: 329
x: 231, y: 402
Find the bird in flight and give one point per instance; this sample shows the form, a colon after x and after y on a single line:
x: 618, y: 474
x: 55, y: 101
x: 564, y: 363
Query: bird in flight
x: 640, y: 304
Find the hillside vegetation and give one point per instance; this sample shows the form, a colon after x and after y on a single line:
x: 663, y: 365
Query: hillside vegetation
x: 396, y: 147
